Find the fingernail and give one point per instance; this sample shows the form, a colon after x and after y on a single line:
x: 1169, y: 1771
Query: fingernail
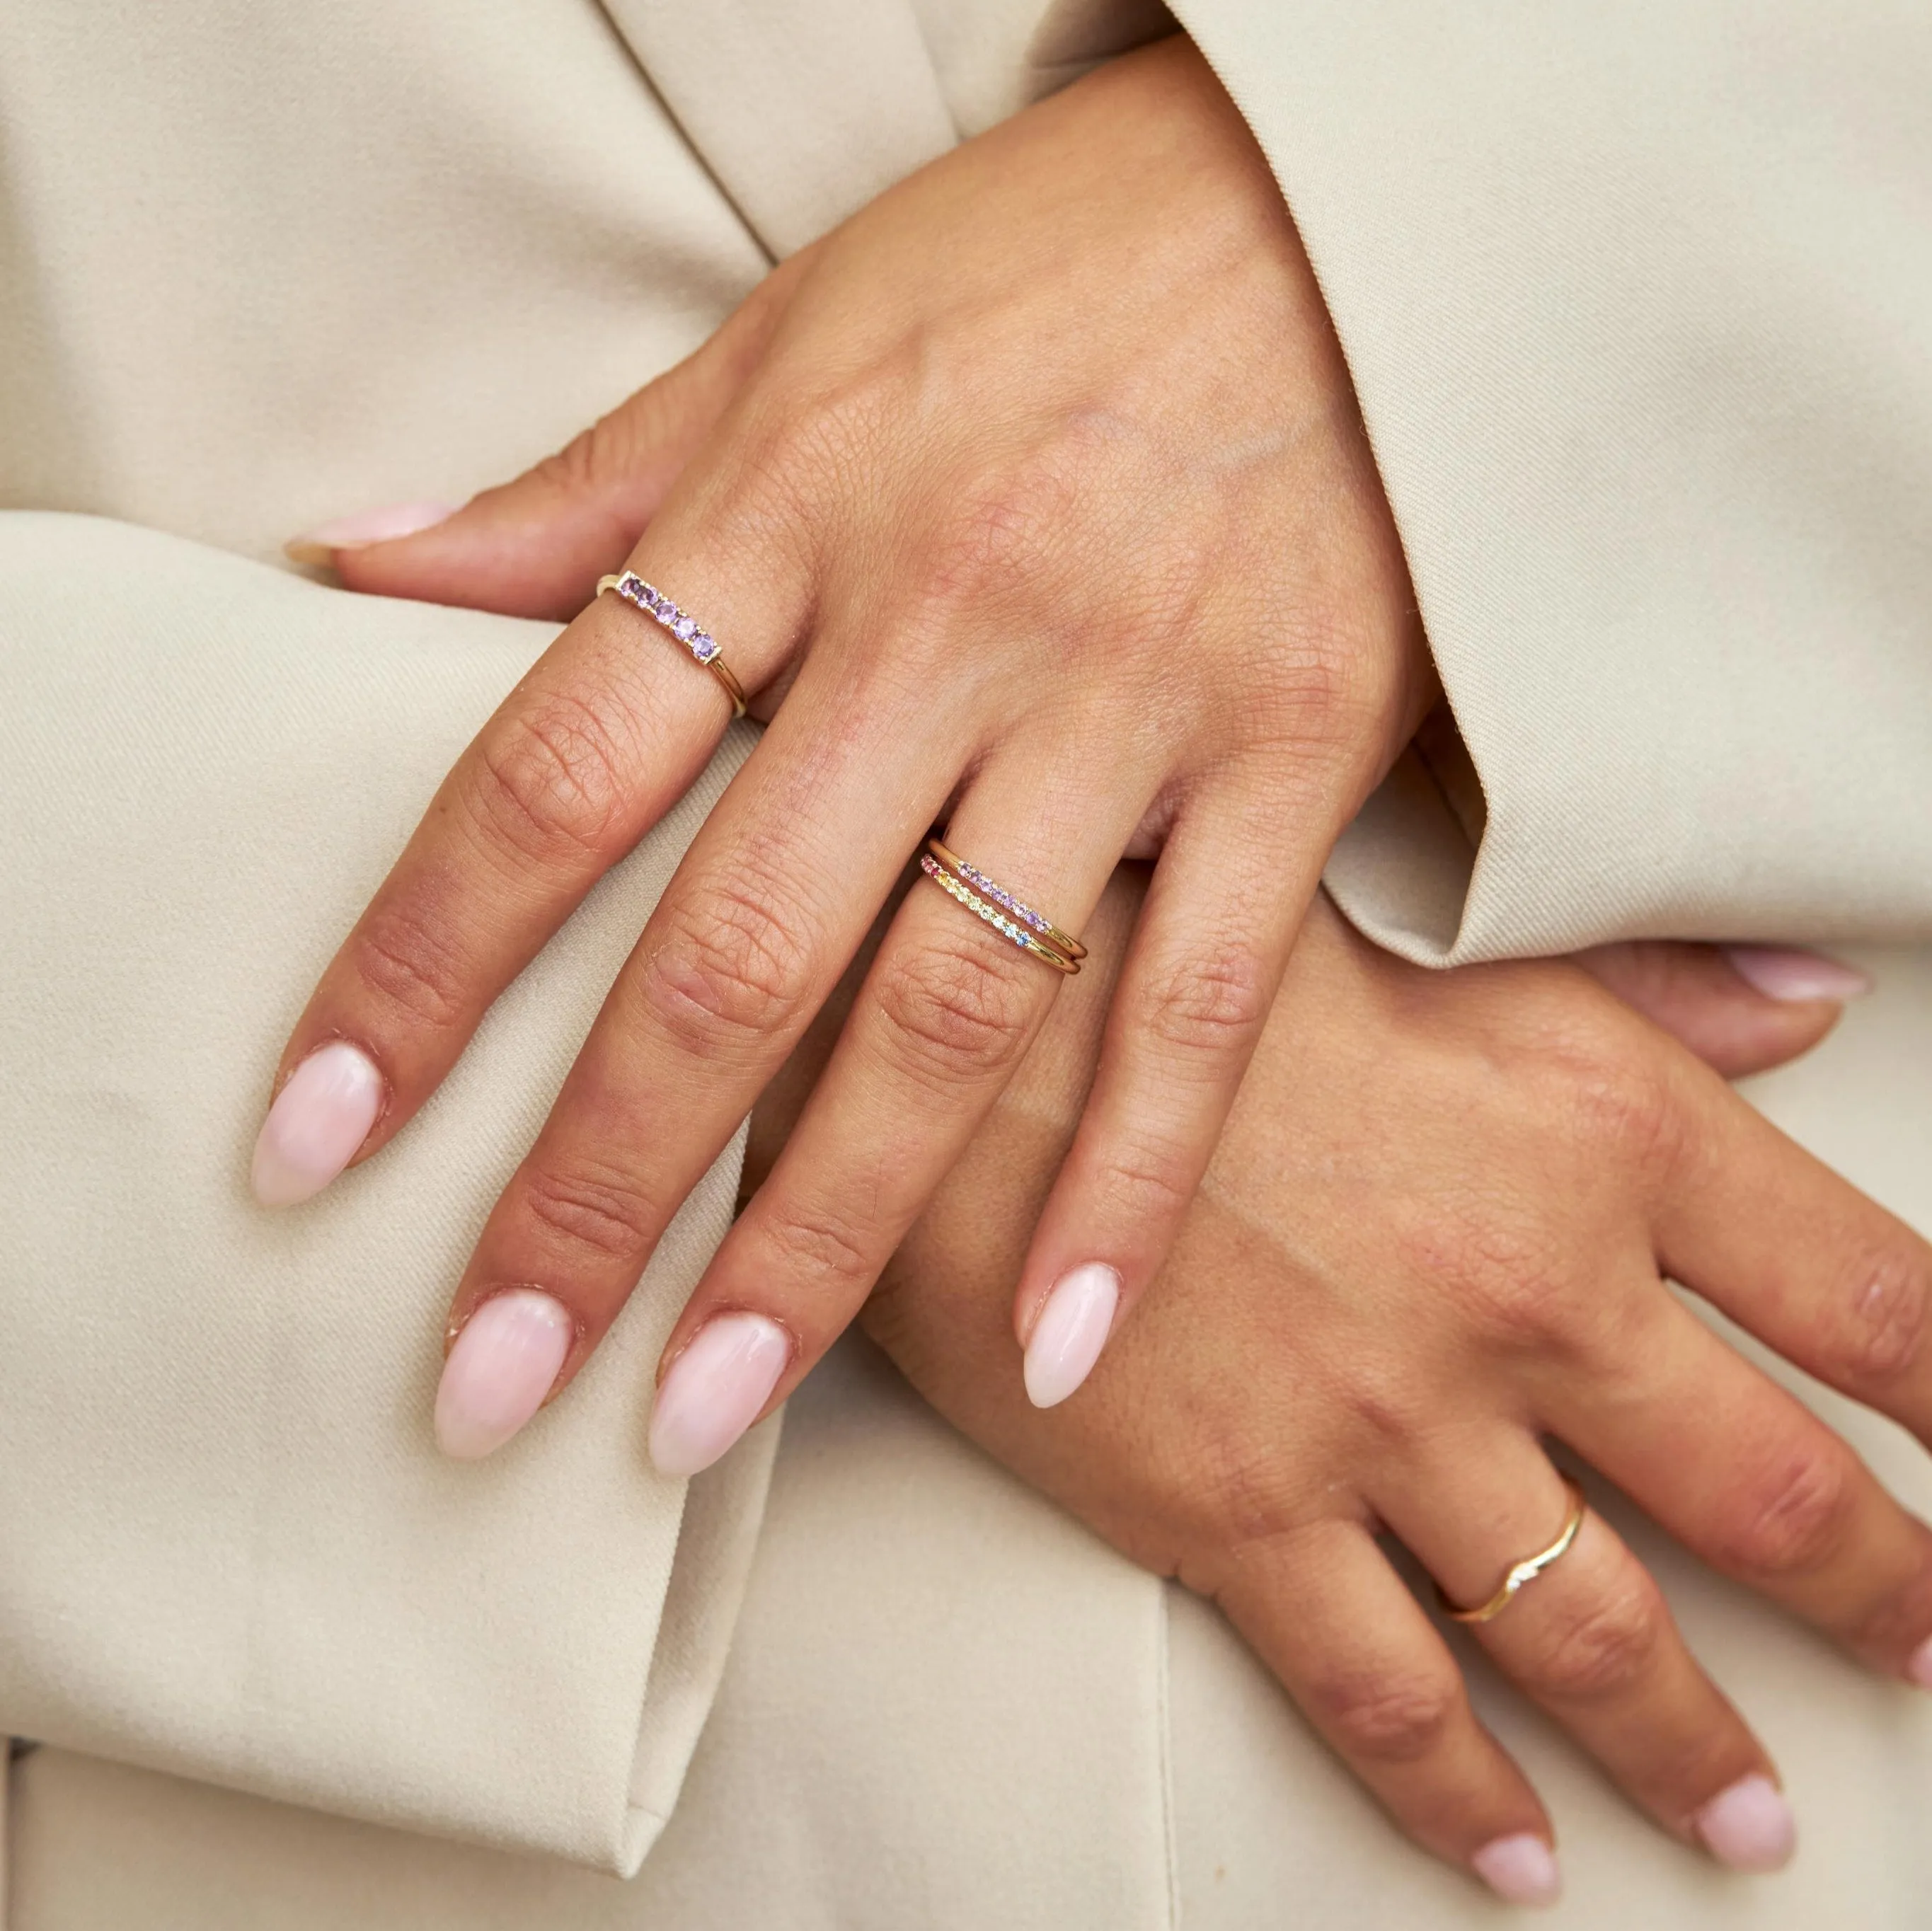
x: 319, y: 1120
x: 1919, y: 1666
x: 1749, y: 1827
x: 1069, y: 1332
x: 1785, y: 973
x: 1521, y: 1869
x: 357, y: 532
x: 715, y: 1389
x: 502, y: 1365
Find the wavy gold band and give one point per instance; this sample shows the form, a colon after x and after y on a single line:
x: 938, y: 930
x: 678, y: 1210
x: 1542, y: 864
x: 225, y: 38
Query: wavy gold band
x: 1525, y: 1571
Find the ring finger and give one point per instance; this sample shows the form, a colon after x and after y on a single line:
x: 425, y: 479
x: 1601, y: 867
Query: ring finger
x: 1591, y: 1640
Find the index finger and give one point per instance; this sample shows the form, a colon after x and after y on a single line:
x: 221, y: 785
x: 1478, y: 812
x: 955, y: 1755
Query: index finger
x: 606, y: 732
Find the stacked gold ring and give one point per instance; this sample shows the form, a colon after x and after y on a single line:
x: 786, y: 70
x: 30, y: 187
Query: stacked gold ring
x: 1031, y: 931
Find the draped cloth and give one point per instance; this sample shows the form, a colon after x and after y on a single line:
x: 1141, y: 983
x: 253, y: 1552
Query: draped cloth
x: 1636, y: 309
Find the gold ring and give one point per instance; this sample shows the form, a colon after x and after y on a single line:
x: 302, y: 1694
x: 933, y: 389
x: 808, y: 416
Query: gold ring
x: 659, y: 608
x: 1027, y: 928
x: 1527, y: 1570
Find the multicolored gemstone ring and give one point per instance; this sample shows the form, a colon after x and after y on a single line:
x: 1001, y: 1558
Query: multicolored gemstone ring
x: 1029, y: 929
x: 659, y: 608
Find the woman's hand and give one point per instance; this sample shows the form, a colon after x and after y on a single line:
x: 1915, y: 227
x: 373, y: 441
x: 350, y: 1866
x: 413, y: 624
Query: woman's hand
x: 1034, y: 499
x: 1433, y: 1235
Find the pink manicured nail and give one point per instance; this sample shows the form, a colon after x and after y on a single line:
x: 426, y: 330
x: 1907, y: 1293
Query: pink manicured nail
x: 1919, y: 1666
x: 357, y: 532
x: 715, y: 1389
x: 318, y: 1121
x: 502, y: 1366
x: 1520, y: 1870
x: 1749, y: 1827
x: 1069, y: 1332
x: 1784, y: 973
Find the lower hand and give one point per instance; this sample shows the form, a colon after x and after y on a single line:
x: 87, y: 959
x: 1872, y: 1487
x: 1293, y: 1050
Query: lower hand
x: 1432, y: 1237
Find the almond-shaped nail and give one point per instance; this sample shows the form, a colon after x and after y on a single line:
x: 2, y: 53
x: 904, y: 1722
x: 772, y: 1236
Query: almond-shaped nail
x: 1793, y: 976
x: 499, y: 1369
x: 1069, y: 1332
x: 714, y: 1390
x: 367, y: 527
x: 318, y: 1121
x: 1520, y: 1870
x: 1749, y: 1826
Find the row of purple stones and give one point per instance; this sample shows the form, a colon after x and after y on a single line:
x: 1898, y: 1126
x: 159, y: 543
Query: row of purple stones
x: 633, y: 589
x: 1001, y: 895
x: 939, y: 876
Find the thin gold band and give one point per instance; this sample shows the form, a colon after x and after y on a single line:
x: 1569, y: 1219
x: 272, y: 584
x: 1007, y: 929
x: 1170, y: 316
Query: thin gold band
x: 1525, y: 1571
x: 702, y: 648
x: 957, y: 890
x: 1048, y: 933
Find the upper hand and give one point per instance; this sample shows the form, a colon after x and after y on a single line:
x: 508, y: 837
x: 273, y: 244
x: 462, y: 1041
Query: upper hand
x: 1034, y: 500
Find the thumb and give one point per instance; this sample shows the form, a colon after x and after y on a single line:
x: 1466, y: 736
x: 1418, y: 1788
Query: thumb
x: 535, y: 547
x: 1741, y: 1009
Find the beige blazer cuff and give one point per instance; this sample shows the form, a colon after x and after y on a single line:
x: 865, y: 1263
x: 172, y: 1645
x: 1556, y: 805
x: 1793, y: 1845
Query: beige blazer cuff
x: 228, y: 1549
x: 1636, y: 301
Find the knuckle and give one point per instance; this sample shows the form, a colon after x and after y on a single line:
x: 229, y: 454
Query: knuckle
x: 549, y: 783
x: 1619, y: 1101
x: 1886, y: 1300
x: 953, y: 1010
x: 998, y: 527
x: 799, y: 445
x: 1398, y: 1718
x: 1608, y: 1649
x: 604, y: 1215
x: 1145, y: 1180
x: 1795, y: 1519
x: 732, y: 969
x: 1213, y: 1004
x: 610, y: 453
x: 1509, y: 1273
x: 411, y: 962
x: 1387, y: 1405
x: 820, y: 1247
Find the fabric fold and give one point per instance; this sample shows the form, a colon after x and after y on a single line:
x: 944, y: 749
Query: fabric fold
x: 228, y: 1547
x: 1635, y: 305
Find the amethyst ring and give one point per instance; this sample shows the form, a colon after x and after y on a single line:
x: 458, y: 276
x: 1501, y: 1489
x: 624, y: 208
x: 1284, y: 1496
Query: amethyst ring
x: 659, y: 608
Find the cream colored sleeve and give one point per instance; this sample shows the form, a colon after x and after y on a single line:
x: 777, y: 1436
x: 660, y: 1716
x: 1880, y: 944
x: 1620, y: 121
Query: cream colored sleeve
x: 1638, y: 301
x: 228, y: 1549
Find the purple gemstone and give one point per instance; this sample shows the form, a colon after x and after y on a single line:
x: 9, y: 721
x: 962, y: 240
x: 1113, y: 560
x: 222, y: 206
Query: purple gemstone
x: 684, y: 628
x: 703, y: 647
